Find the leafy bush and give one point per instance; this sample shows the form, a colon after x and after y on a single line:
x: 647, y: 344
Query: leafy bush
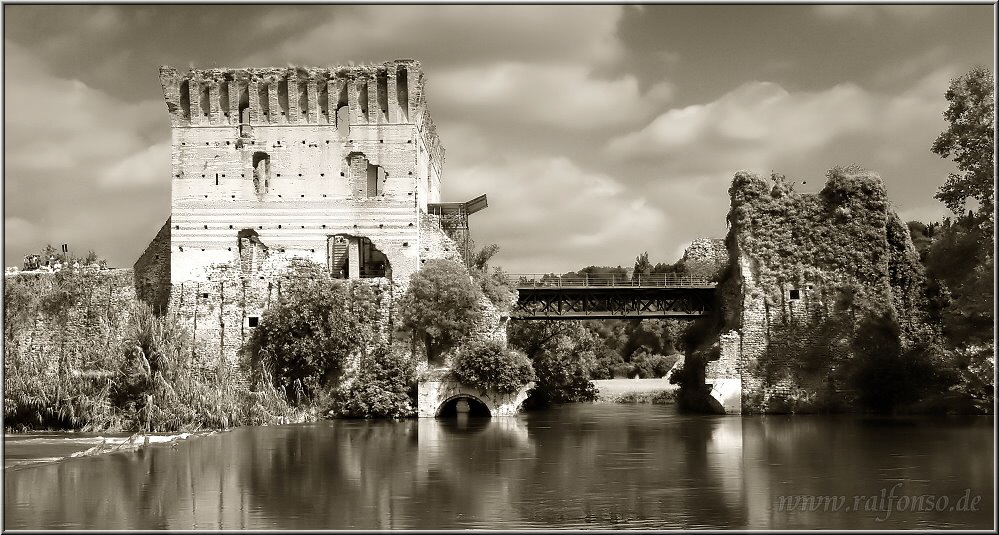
x: 441, y: 306
x: 305, y: 339
x: 383, y: 388
x: 490, y: 366
x: 888, y: 378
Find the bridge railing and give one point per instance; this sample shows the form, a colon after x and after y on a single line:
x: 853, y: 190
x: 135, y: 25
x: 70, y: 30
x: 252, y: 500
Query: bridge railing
x: 656, y: 280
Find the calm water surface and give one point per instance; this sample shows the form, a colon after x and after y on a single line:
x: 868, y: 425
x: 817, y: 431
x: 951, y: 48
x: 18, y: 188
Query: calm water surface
x: 578, y: 466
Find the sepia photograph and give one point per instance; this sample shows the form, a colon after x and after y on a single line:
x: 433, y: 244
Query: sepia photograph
x: 501, y: 267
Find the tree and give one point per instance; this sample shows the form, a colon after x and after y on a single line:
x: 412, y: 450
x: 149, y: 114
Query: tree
x: 494, y: 282
x: 642, y: 265
x: 306, y: 338
x: 441, y: 306
x: 490, y: 366
x: 383, y: 387
x: 563, y: 355
x: 969, y: 140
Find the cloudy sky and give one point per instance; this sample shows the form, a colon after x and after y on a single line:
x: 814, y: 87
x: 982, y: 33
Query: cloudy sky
x: 598, y: 132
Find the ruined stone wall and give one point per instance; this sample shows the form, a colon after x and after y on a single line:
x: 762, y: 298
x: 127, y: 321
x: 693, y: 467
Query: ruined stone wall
x: 806, y: 266
x: 152, y: 271
x: 705, y: 257
x: 93, y: 321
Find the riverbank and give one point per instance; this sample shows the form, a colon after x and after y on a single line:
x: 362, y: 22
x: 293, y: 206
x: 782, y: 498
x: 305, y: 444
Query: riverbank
x: 658, y: 391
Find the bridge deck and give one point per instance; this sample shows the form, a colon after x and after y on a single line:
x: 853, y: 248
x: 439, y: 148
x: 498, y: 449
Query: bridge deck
x: 656, y: 280
x: 611, y: 297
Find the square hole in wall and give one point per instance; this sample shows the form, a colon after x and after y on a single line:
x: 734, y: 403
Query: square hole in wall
x: 204, y: 295
x: 795, y: 294
x: 252, y: 321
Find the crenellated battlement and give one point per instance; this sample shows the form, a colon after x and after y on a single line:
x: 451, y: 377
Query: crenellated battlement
x: 383, y: 93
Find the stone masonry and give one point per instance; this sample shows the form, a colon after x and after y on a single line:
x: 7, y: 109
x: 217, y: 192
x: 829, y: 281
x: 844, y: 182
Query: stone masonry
x: 336, y: 165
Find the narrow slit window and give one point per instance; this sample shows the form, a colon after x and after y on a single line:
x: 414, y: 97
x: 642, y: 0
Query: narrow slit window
x: 382, y: 96
x: 303, y: 99
x: 224, y: 97
x: 282, y: 90
x: 185, y: 98
x: 206, y: 107
x: 402, y: 93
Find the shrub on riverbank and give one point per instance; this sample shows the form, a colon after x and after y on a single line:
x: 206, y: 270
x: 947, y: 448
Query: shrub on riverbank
x: 563, y: 355
x: 490, y: 366
x: 135, y: 372
x: 384, y: 387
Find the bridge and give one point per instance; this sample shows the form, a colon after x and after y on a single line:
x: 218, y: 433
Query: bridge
x: 611, y: 296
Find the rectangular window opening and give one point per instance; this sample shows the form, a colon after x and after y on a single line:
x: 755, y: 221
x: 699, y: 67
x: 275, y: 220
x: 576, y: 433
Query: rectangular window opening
x: 382, y: 96
x: 402, y: 93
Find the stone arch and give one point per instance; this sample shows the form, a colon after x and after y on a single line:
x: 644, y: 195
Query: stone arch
x: 438, y: 391
x: 452, y: 406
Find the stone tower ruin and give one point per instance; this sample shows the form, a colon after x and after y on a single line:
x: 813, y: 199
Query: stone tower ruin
x: 341, y: 165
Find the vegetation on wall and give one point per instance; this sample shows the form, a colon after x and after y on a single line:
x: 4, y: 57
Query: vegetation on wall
x: 489, y: 365
x: 118, y: 368
x: 305, y: 339
x: 441, y: 306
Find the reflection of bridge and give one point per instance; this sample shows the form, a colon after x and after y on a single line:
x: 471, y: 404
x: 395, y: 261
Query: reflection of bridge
x: 611, y: 296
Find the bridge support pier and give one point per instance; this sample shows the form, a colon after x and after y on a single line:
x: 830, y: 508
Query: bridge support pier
x: 725, y: 377
x: 437, y: 392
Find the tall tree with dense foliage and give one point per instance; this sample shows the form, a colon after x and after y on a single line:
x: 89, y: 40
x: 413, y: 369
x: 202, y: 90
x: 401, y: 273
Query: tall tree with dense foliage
x: 970, y: 141
x: 960, y: 255
x: 441, y: 306
x: 563, y: 353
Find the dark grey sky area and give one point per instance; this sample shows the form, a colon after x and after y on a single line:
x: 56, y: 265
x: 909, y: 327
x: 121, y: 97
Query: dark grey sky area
x: 598, y: 132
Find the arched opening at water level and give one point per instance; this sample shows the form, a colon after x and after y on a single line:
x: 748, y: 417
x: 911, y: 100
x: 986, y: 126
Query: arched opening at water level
x: 463, y: 405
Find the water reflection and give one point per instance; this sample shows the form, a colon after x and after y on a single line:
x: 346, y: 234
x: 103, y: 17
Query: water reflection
x: 583, y: 466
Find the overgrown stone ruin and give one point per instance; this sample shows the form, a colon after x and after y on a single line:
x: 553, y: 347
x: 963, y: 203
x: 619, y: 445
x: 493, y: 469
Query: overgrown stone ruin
x: 804, y: 271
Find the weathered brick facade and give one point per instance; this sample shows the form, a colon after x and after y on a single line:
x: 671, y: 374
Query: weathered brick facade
x: 336, y: 165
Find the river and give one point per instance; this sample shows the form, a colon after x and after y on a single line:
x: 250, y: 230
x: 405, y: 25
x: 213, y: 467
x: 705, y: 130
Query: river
x: 583, y: 466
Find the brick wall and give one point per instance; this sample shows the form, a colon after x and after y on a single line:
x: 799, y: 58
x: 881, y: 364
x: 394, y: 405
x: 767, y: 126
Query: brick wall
x: 152, y: 271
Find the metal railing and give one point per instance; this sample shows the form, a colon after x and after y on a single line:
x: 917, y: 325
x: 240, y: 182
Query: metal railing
x: 655, y: 280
